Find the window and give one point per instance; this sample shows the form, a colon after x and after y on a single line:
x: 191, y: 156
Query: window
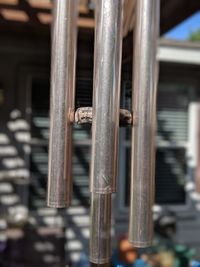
x: 173, y: 103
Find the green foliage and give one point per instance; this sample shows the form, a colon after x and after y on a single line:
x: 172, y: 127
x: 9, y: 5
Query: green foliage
x: 195, y: 36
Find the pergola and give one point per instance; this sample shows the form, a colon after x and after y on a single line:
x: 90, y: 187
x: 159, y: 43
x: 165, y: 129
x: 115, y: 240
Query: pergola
x: 31, y: 14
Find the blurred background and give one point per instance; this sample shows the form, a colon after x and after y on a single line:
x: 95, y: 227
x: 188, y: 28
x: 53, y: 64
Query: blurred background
x: 32, y: 234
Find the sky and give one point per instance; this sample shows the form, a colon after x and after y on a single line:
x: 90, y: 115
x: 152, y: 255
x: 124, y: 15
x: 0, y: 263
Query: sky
x: 183, y: 30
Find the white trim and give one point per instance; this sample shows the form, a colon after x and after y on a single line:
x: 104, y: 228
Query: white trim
x: 192, y: 155
x: 179, y: 55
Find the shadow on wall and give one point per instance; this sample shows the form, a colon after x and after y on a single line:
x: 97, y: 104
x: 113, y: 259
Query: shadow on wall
x: 24, y: 215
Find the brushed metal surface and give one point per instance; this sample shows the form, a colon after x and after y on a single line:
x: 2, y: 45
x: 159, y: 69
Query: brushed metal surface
x: 145, y: 75
x: 100, y: 228
x: 106, y: 94
x: 63, y: 64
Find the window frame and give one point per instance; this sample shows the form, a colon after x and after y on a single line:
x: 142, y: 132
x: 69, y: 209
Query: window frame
x: 174, y: 77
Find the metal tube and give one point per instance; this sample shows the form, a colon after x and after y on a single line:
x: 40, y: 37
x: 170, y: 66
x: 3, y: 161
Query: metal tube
x: 64, y: 39
x: 106, y: 94
x: 100, y: 228
x: 145, y: 72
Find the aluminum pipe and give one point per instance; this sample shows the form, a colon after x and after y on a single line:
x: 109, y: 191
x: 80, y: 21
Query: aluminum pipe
x: 106, y: 95
x: 145, y: 74
x: 63, y: 62
x: 100, y: 228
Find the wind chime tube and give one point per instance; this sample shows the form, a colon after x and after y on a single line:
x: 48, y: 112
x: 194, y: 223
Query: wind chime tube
x: 145, y: 72
x: 100, y: 228
x: 106, y: 95
x: 63, y: 62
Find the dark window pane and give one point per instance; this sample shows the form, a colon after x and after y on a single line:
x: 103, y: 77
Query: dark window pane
x: 170, y: 176
x: 172, y: 134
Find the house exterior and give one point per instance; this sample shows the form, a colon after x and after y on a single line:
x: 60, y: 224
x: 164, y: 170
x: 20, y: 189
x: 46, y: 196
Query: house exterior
x: 177, y: 160
x: 24, y: 124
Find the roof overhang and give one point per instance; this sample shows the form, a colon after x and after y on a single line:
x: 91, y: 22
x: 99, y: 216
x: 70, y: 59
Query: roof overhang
x: 36, y: 14
x: 179, y: 52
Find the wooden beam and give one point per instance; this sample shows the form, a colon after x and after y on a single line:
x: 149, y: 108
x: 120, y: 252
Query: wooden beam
x: 39, y: 6
x: 14, y: 15
x: 46, y: 4
x: 86, y: 23
x: 44, y: 18
x: 9, y: 2
x: 32, y: 14
x: 17, y: 7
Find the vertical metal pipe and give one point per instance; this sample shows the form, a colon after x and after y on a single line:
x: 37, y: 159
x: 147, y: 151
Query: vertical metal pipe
x: 145, y: 72
x: 64, y: 38
x: 106, y: 94
x: 100, y: 228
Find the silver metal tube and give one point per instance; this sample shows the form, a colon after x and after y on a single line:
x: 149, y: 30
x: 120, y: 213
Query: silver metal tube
x: 145, y: 72
x: 64, y: 39
x: 100, y: 228
x: 106, y: 94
